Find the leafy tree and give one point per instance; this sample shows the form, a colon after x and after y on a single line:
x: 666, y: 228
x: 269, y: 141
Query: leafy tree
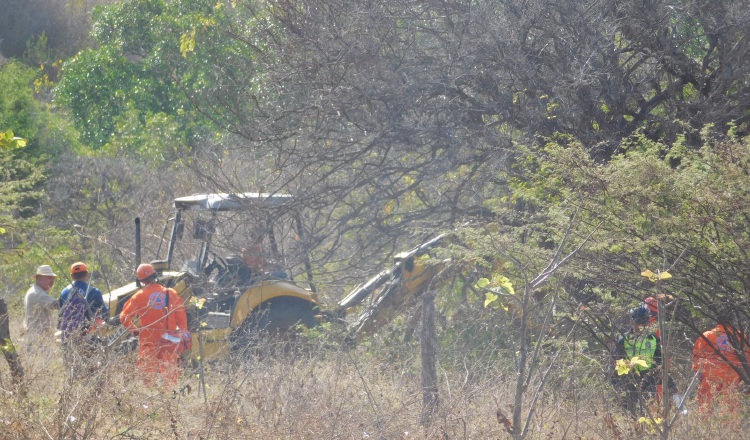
x: 407, y: 123
x: 35, y: 130
x: 17, y: 105
x: 658, y: 207
x: 38, y: 135
x: 92, y: 108
x: 20, y: 191
x: 407, y: 116
x: 19, y: 188
x: 154, y: 59
x: 48, y: 132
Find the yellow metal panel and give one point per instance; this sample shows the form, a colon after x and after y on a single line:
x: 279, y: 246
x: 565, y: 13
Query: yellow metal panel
x: 422, y: 274
x: 264, y: 291
x: 215, y: 344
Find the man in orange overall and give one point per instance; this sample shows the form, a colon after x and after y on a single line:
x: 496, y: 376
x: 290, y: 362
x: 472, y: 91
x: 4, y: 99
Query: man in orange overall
x: 717, y: 360
x: 157, y: 315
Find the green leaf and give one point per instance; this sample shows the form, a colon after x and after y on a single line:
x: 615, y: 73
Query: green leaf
x: 187, y: 42
x: 504, y: 283
x: 489, y: 298
x: 483, y: 282
x: 198, y: 302
x: 8, y: 347
x: 622, y: 367
x: 637, y: 361
x: 656, y: 277
x: 9, y: 140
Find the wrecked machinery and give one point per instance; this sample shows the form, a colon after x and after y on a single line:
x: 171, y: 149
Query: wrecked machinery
x: 239, y: 263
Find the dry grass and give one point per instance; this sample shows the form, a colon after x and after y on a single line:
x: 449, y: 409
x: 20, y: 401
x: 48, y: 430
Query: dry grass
x: 320, y: 393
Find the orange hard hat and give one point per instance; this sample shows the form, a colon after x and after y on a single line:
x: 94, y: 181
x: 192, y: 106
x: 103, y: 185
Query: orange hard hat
x: 653, y: 304
x: 144, y: 271
x: 78, y: 267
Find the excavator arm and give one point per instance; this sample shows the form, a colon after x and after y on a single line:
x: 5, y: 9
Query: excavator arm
x: 408, y: 278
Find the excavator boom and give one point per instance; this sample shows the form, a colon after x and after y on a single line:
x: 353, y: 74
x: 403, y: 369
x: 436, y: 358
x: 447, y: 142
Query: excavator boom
x: 408, y: 278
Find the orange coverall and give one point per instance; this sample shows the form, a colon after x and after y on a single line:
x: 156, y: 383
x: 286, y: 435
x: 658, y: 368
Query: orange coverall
x: 146, y: 313
x: 719, y: 380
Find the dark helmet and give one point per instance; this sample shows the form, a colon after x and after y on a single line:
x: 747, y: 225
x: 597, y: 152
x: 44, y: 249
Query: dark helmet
x: 640, y: 315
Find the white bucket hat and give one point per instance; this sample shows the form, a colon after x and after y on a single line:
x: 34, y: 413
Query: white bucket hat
x: 45, y: 270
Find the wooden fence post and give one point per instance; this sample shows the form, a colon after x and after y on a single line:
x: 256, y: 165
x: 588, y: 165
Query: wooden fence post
x: 428, y: 344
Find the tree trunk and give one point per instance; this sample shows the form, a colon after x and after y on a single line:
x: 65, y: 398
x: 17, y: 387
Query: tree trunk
x: 6, y: 344
x: 430, y: 400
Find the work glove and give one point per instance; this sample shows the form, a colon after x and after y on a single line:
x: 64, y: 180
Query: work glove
x: 114, y: 320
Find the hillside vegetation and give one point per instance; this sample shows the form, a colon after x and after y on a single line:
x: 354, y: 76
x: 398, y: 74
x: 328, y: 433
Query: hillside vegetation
x: 566, y: 146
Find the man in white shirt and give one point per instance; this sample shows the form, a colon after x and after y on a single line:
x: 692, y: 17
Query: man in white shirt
x: 39, y: 304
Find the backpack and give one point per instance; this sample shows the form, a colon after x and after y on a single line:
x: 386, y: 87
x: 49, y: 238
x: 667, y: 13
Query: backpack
x: 75, y: 314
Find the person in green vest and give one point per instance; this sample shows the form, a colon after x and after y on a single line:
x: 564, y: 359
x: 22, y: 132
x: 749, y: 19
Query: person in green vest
x: 637, y: 385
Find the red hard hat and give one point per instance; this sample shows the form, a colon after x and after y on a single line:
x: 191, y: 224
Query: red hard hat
x: 78, y: 267
x: 652, y: 304
x: 144, y: 271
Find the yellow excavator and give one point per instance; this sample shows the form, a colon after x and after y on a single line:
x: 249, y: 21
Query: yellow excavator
x: 237, y: 263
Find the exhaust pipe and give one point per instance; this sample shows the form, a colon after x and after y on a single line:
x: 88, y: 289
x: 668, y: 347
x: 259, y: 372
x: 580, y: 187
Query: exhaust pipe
x: 137, y: 248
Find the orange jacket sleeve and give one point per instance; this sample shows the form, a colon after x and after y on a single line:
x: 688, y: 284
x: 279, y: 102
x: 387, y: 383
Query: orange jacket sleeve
x: 130, y: 311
